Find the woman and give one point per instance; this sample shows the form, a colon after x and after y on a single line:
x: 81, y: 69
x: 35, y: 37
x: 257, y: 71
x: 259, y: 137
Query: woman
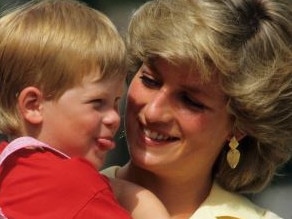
x: 209, y: 105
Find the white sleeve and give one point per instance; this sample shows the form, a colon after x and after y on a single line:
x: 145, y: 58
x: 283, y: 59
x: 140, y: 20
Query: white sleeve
x: 271, y: 215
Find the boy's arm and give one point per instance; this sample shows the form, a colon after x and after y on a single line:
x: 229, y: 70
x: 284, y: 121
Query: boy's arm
x: 140, y: 202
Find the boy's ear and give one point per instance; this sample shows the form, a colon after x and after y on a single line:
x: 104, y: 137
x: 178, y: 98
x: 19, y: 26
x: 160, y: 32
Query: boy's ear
x: 30, y: 104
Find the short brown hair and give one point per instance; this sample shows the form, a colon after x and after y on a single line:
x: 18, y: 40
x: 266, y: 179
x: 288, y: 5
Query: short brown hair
x: 52, y: 45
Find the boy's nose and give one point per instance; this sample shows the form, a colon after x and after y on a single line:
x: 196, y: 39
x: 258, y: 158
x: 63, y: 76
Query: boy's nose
x: 112, y: 119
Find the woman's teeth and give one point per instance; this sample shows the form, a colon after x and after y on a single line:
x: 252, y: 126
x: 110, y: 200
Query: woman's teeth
x: 155, y: 135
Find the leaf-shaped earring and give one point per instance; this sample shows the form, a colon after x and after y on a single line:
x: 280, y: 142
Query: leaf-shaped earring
x: 233, y: 155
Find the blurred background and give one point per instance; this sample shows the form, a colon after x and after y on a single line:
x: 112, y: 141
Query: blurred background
x: 118, y: 10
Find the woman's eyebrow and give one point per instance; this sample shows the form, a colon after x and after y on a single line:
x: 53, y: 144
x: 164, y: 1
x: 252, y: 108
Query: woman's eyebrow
x: 152, y: 66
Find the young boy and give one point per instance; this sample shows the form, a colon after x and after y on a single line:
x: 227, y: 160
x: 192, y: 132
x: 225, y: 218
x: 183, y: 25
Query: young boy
x: 62, y: 67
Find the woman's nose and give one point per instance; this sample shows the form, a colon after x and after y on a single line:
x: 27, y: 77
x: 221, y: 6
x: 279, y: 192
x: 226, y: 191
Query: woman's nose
x: 158, y: 108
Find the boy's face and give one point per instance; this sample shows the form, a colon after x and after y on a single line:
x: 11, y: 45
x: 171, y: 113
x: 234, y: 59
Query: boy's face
x: 83, y: 122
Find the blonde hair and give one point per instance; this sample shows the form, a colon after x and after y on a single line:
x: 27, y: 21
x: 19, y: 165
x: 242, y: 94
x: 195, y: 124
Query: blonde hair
x: 52, y: 45
x: 248, y: 43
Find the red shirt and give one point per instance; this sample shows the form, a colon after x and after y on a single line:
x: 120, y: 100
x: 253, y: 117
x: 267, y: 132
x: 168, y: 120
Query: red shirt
x: 2, y: 145
x: 39, y: 183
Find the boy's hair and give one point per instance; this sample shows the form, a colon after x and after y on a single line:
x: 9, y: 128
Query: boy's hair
x: 248, y: 43
x: 52, y: 45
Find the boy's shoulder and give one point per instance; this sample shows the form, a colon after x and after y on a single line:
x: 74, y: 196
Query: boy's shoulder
x: 48, y: 181
x: 28, y: 158
x: 48, y: 168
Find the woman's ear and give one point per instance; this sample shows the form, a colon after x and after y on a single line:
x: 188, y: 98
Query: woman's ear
x: 238, y: 134
x: 30, y: 105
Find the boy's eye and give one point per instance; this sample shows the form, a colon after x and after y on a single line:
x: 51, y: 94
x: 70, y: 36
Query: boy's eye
x: 150, y: 82
x: 100, y: 103
x: 97, y: 103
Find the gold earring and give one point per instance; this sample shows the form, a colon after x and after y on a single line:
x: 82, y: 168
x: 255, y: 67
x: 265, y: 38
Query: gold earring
x: 233, y: 155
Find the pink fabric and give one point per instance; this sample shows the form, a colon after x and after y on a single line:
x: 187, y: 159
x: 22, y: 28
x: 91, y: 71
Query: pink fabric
x: 22, y: 142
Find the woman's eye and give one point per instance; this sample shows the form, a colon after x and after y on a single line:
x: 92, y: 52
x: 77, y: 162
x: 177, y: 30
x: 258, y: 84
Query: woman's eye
x: 150, y: 82
x: 192, y: 103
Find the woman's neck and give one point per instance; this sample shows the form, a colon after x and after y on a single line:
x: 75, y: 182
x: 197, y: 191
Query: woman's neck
x: 180, y: 195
